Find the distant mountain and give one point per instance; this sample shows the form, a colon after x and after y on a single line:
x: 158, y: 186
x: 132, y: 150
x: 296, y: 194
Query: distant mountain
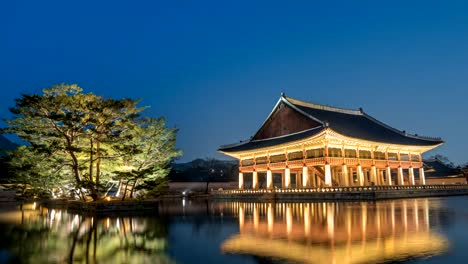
x: 202, y: 170
x: 6, y: 144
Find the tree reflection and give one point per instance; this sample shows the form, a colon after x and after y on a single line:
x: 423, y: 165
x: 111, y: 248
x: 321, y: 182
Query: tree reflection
x: 41, y: 235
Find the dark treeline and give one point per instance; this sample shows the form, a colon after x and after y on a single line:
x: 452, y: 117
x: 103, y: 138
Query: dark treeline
x: 205, y: 170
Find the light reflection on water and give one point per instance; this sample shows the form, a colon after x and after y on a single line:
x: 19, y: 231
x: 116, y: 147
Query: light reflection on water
x: 228, y: 232
x: 336, y: 232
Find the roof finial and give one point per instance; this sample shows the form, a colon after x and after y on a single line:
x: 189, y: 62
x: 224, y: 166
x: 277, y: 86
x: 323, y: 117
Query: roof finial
x: 361, y: 110
x: 283, y: 94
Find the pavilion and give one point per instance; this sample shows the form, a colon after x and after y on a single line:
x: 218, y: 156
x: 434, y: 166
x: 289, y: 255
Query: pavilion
x: 311, y: 145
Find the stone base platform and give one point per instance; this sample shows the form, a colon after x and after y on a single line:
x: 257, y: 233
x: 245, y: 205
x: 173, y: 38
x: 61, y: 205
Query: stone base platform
x: 366, y: 193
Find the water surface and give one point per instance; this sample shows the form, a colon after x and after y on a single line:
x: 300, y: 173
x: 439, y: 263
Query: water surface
x: 433, y: 230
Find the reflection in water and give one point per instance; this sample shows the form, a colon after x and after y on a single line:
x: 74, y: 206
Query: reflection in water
x: 36, y: 234
x: 366, y: 232
x: 335, y: 232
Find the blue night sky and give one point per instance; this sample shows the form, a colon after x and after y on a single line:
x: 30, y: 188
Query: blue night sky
x: 215, y: 69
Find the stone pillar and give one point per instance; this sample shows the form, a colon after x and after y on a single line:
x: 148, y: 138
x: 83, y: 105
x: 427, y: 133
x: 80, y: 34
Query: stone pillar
x: 269, y: 180
x: 389, y: 175
x: 344, y: 175
x: 241, y: 181
x: 400, y: 179
x: 305, y: 177
x: 373, y: 175
x: 351, y: 177
x: 411, y: 176
x: 287, y: 178
x: 379, y: 177
x: 422, y: 177
x: 313, y: 178
x: 360, y: 175
x: 283, y: 180
x: 255, y: 180
x: 328, y: 176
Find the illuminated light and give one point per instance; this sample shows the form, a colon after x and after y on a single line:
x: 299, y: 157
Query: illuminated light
x: 107, y: 223
x: 108, y: 198
x: 288, y: 220
x: 34, y: 206
x: 270, y: 219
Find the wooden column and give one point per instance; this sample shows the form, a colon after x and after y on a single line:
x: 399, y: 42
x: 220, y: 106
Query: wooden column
x: 378, y: 177
x: 388, y: 173
x: 305, y: 177
x: 254, y: 180
x: 269, y: 179
x: 313, y: 179
x: 298, y: 180
x: 411, y: 176
x: 422, y: 177
x: 373, y: 175
x: 400, y: 180
x: 328, y: 176
x: 344, y: 174
x: 360, y: 175
x: 287, y: 178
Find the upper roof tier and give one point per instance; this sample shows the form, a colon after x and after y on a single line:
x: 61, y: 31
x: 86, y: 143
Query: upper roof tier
x: 292, y: 119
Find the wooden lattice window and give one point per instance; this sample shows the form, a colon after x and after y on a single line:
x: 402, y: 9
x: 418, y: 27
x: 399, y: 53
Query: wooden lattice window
x: 392, y: 156
x: 295, y: 155
x: 277, y: 158
x: 364, y: 154
x: 261, y: 160
x: 404, y: 157
x: 350, y: 153
x: 247, y: 162
x: 379, y: 155
x: 315, y: 153
x: 334, y: 152
x: 415, y: 157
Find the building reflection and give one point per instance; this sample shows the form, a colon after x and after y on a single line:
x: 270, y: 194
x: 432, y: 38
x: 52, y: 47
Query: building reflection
x: 335, y: 232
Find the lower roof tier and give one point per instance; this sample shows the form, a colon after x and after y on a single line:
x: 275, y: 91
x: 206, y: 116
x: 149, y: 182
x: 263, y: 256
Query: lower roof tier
x: 314, y: 135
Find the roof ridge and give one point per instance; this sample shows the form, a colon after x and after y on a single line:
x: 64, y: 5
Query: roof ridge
x: 324, y: 107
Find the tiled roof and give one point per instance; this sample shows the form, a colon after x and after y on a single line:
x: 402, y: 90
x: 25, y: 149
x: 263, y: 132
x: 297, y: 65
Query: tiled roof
x: 357, y: 124
x: 351, y: 123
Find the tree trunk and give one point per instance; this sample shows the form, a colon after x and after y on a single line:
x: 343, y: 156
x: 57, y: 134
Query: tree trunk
x: 133, y: 188
x: 91, y: 160
x: 98, y: 168
x: 125, y: 191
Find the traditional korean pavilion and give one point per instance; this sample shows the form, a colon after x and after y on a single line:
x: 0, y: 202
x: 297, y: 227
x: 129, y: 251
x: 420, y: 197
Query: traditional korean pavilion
x: 311, y: 145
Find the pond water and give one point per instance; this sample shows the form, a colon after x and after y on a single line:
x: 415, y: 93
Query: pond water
x: 433, y: 230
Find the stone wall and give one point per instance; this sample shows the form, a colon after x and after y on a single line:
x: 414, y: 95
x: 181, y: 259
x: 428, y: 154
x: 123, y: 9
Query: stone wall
x: 446, y: 180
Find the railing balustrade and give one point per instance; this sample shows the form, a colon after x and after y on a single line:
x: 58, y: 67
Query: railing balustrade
x: 343, y: 189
